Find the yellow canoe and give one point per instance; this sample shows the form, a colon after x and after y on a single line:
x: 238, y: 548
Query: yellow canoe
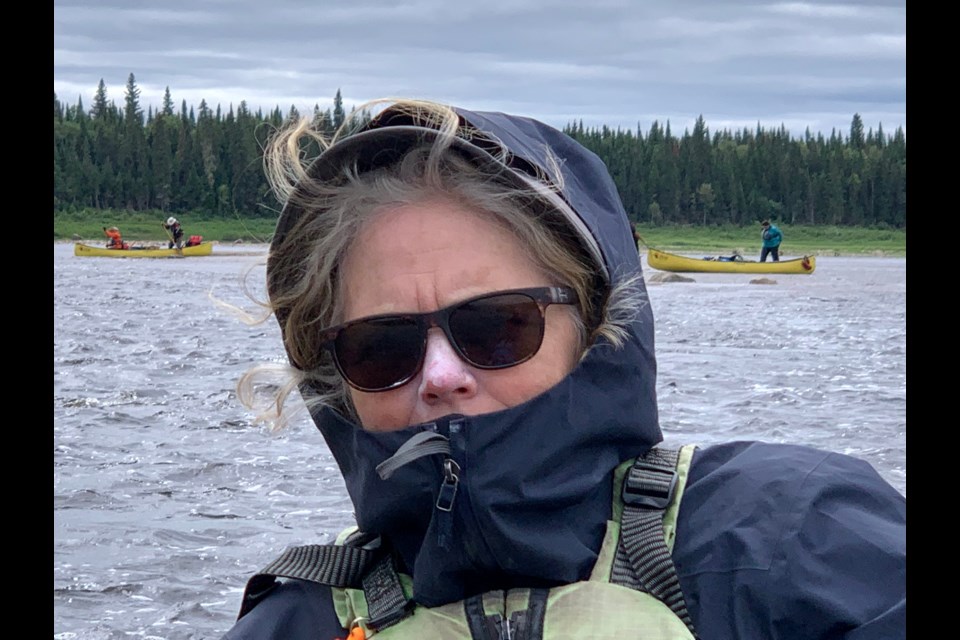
x: 202, y: 249
x: 665, y: 261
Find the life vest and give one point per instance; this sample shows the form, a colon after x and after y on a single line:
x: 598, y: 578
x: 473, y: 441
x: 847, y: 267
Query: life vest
x: 632, y: 591
x: 115, y: 240
x: 194, y: 241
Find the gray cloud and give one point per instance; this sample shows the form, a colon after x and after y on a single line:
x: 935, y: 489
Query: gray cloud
x: 616, y: 62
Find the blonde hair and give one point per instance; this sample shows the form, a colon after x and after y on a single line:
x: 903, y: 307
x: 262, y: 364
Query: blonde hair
x: 304, y: 277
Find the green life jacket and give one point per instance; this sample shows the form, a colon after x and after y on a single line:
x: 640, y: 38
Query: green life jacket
x: 632, y: 591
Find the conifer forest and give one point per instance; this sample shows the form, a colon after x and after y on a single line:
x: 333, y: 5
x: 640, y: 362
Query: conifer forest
x: 207, y: 160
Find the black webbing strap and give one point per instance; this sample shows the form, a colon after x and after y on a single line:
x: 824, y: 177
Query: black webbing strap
x: 482, y: 626
x: 329, y: 564
x: 643, y: 559
x: 528, y: 624
x: 361, y: 562
x: 523, y: 624
x: 386, y: 602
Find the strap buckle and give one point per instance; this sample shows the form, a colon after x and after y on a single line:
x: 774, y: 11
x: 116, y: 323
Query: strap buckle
x: 649, y: 486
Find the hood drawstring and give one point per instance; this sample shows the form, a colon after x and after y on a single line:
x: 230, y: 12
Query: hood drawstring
x: 425, y: 443
x: 428, y: 443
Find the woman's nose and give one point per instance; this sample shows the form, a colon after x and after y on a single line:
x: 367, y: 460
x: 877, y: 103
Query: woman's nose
x: 446, y: 377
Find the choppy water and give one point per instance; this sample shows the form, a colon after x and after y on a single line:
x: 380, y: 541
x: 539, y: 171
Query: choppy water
x: 166, y: 497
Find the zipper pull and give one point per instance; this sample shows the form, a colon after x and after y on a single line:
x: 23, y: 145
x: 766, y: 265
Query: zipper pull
x: 451, y: 480
x: 448, y: 491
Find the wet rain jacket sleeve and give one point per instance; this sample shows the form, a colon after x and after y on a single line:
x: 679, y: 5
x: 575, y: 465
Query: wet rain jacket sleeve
x: 783, y: 541
x: 295, y: 609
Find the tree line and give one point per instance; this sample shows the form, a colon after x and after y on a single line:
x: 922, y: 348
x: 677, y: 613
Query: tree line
x: 209, y: 163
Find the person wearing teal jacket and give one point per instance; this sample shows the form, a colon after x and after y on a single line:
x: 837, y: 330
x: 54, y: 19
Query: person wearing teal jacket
x: 771, y: 241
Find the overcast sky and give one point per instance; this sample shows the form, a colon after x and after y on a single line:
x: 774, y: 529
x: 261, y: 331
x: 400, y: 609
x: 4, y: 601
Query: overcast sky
x: 621, y: 63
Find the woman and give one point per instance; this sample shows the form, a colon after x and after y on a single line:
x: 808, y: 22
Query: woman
x: 462, y: 304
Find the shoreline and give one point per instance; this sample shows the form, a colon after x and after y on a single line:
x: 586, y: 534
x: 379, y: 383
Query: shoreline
x: 820, y: 253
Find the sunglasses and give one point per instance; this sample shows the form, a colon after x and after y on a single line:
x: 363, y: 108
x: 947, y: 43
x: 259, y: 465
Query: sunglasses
x: 493, y: 331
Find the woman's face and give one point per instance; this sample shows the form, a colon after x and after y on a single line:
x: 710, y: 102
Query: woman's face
x: 419, y: 258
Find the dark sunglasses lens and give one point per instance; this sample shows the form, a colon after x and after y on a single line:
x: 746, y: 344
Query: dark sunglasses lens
x: 499, y: 331
x: 378, y: 353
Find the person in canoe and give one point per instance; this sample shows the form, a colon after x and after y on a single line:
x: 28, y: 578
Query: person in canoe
x: 115, y: 238
x: 464, y: 313
x: 175, y: 231
x: 770, y: 238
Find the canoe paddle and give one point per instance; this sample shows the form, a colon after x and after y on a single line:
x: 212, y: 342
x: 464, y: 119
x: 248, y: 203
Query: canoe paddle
x: 638, y: 238
x: 172, y: 241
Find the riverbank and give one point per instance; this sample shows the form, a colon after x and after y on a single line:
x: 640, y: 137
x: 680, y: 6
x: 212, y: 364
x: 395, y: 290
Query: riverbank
x: 717, y: 240
x: 141, y: 227
x: 250, y: 248
x: 797, y: 240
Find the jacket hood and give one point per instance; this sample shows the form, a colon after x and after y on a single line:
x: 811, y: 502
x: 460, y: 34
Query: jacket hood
x: 523, y: 495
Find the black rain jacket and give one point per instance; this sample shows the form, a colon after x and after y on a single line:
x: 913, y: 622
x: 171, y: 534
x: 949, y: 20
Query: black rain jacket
x: 773, y: 541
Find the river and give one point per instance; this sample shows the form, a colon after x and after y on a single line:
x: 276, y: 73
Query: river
x: 167, y: 496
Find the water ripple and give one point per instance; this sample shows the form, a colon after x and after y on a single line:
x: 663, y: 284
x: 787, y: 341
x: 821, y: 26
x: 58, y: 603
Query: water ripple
x: 167, y: 497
